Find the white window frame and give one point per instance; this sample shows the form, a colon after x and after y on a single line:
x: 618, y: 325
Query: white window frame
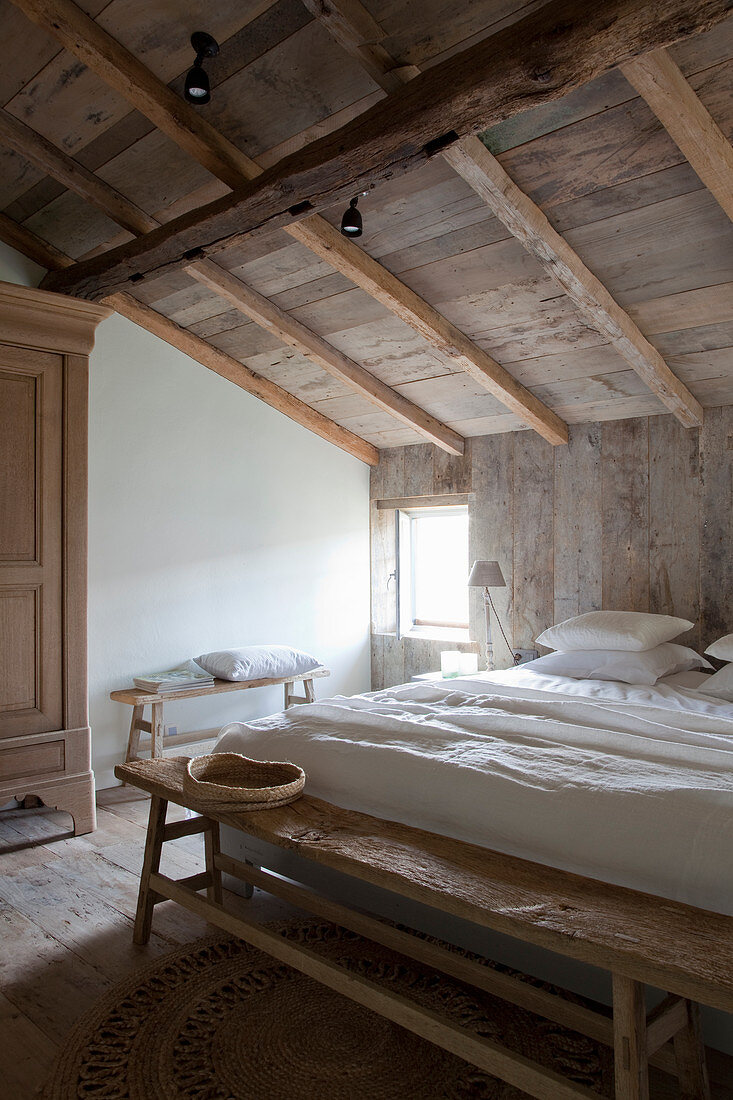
x: 407, y: 624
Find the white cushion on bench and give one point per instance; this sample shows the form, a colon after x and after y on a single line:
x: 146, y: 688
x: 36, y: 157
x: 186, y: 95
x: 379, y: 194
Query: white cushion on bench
x: 257, y: 662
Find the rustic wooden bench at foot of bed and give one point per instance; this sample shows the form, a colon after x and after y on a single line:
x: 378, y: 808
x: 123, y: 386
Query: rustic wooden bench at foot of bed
x: 156, y: 742
x: 639, y: 938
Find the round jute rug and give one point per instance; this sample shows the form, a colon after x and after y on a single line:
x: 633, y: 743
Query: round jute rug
x: 219, y: 1020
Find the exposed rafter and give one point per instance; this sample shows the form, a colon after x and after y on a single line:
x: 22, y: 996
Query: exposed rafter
x: 57, y: 164
x: 291, y: 331
x: 540, y: 58
x: 357, y: 32
x: 367, y: 273
x: 40, y: 251
x: 40, y: 151
x: 224, y: 365
x: 659, y: 80
x: 524, y: 219
x: 100, y: 52
x: 113, y: 63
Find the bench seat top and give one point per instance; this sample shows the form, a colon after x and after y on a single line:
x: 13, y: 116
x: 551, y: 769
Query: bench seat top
x: 675, y: 947
x: 137, y: 697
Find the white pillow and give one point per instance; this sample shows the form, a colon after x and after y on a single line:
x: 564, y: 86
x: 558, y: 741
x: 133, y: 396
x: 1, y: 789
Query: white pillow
x: 257, y: 662
x: 722, y: 649
x: 720, y: 685
x: 643, y: 668
x: 632, y: 631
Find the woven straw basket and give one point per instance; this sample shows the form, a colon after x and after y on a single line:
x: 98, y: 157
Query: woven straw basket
x: 228, y: 781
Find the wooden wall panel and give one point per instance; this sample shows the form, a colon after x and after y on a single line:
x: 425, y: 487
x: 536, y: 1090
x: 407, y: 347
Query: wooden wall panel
x: 533, y: 534
x: 716, y: 526
x: 633, y: 514
x: 578, y: 524
x: 491, y: 534
x: 625, y: 491
x: 674, y: 526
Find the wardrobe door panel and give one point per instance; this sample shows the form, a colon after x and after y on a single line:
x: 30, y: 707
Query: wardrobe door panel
x: 31, y: 546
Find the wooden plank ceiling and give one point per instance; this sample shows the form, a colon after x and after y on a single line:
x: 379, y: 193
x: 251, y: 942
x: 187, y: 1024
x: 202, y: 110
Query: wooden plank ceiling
x: 614, y: 299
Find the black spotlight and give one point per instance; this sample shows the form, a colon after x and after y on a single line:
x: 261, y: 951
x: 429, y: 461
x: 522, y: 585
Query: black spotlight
x: 351, y: 222
x: 197, y: 82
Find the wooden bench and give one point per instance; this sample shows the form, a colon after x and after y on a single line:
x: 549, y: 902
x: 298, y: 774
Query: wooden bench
x: 157, y: 742
x: 639, y: 938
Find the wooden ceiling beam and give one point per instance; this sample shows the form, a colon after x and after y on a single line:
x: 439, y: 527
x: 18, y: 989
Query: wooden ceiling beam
x: 60, y: 166
x: 292, y: 332
x: 221, y: 363
x: 657, y: 78
x: 524, y: 219
x: 381, y: 284
x: 30, y: 245
x: 562, y: 46
x: 37, y: 149
x: 116, y: 65
x: 119, y: 68
x: 360, y: 35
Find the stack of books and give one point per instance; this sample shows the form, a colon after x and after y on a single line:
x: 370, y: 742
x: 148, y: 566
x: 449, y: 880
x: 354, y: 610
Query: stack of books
x: 174, y: 679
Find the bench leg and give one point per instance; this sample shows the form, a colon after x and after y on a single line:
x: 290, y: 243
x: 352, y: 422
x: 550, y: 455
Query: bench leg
x: 212, y: 850
x: 156, y: 731
x: 133, y: 741
x: 629, y: 1039
x: 690, y: 1056
x: 151, y: 865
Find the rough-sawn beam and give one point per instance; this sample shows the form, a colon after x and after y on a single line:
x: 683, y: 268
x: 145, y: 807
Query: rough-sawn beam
x: 542, y: 57
x: 122, y: 70
x: 349, y: 23
x: 36, y: 148
x: 293, y: 332
x: 657, y: 78
x: 524, y: 219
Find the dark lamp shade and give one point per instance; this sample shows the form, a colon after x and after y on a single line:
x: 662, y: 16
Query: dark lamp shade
x: 197, y: 86
x: 486, y: 574
x: 351, y: 224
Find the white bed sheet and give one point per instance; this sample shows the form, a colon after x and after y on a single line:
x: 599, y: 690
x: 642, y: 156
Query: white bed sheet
x: 632, y: 785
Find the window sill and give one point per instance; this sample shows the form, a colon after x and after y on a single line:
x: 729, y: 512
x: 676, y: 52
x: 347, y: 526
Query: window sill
x: 439, y: 634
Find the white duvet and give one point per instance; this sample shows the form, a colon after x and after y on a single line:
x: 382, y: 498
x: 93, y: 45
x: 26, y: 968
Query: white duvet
x: 629, y: 785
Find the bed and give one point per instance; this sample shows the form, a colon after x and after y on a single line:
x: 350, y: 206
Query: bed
x: 629, y: 785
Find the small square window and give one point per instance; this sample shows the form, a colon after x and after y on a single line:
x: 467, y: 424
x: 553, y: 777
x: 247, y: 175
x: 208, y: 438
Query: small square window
x: 432, y: 556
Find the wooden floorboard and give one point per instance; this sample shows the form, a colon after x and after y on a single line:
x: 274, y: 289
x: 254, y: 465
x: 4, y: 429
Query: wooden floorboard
x: 66, y: 907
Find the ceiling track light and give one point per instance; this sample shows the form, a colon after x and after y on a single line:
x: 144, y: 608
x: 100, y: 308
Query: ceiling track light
x: 197, y: 88
x: 351, y: 224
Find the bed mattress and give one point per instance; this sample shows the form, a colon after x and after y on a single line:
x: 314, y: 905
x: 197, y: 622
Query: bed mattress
x: 624, y: 784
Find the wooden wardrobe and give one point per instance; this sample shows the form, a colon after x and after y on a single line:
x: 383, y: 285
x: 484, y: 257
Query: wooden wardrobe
x: 45, y: 341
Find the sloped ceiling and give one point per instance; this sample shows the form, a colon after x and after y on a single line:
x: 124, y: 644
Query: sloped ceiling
x: 598, y: 163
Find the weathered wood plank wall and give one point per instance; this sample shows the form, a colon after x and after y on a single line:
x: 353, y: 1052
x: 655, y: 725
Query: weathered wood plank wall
x: 633, y: 514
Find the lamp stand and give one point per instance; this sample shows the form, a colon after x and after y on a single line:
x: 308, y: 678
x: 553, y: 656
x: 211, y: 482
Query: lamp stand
x: 489, y: 643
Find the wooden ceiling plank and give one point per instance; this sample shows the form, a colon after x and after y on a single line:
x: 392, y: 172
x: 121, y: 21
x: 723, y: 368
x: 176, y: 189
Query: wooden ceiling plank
x: 524, y: 219
x: 562, y: 46
x: 221, y: 363
x: 46, y: 156
x: 360, y: 35
x: 122, y: 70
x: 328, y: 242
x: 292, y: 332
x: 31, y: 245
x: 659, y: 80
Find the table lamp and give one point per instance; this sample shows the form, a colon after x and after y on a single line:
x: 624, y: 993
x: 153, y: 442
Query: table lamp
x: 486, y: 575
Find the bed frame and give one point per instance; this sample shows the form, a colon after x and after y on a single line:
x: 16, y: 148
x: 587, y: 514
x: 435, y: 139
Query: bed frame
x: 635, y: 937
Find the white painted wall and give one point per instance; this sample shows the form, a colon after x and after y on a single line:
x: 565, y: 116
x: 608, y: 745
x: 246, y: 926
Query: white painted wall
x: 214, y: 521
